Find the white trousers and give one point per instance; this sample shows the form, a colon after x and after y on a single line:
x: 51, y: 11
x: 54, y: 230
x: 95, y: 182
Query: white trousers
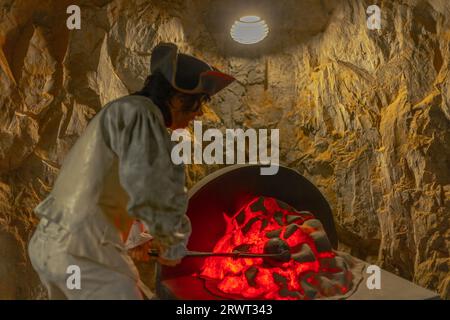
x: 56, y: 270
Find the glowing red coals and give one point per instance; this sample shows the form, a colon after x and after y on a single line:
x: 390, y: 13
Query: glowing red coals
x: 313, y: 271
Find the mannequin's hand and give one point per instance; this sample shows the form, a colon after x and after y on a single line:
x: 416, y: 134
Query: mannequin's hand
x: 159, y: 248
x: 169, y: 263
x: 140, y: 253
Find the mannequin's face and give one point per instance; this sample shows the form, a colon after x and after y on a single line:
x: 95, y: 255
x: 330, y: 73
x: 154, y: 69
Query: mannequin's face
x: 184, y: 109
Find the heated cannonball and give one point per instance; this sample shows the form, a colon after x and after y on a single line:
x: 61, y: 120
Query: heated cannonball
x: 276, y: 245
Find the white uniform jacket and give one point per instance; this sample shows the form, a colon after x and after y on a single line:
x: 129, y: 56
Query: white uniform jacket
x: 120, y: 169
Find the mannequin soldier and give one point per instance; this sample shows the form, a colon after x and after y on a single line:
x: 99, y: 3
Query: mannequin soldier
x: 120, y: 170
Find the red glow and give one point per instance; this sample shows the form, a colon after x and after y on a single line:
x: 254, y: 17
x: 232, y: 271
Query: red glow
x: 254, y: 278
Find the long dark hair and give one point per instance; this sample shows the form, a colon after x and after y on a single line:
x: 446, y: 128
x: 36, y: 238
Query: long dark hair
x: 160, y: 91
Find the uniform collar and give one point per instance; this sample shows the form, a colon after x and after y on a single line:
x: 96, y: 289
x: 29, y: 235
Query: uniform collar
x: 154, y: 108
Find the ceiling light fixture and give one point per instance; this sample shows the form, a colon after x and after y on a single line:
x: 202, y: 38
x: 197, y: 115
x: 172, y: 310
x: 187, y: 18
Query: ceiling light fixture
x: 249, y: 30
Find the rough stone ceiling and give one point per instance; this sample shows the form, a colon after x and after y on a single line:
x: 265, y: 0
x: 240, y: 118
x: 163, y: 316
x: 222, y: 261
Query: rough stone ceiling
x: 291, y: 22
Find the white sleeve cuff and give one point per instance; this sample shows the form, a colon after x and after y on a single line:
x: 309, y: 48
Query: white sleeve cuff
x: 175, y: 252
